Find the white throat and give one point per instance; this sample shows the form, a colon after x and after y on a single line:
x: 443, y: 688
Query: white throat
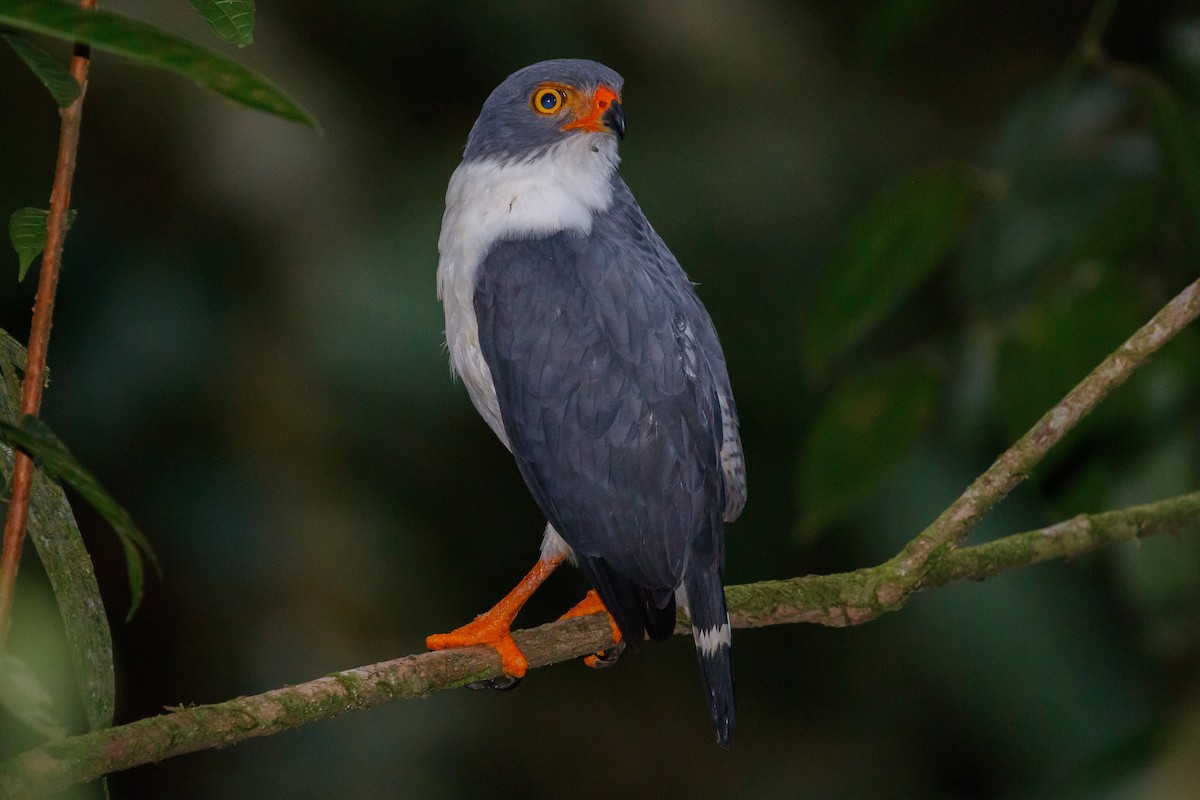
x: 562, y: 189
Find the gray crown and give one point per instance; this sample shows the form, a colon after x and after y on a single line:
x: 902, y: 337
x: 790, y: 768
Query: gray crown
x: 509, y: 130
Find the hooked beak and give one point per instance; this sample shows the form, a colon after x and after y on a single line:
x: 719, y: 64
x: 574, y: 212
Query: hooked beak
x: 600, y: 112
x: 614, y: 119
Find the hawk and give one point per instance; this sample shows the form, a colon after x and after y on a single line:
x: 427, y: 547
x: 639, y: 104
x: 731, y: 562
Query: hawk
x: 584, y: 346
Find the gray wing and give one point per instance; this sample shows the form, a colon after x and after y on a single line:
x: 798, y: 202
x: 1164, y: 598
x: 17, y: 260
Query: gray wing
x: 733, y: 464
x: 602, y: 376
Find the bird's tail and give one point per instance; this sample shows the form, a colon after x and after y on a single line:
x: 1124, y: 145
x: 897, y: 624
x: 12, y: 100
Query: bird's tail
x: 710, y: 629
x: 638, y: 611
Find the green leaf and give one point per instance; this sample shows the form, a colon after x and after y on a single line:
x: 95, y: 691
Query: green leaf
x: 27, y: 231
x: 887, y: 251
x: 866, y: 427
x: 889, y: 21
x: 12, y: 361
x: 1054, y: 343
x: 55, y: 535
x: 26, y: 699
x: 146, y: 44
x: 63, y: 88
x: 1070, y: 187
x: 31, y: 434
x: 233, y: 20
x: 1175, y: 130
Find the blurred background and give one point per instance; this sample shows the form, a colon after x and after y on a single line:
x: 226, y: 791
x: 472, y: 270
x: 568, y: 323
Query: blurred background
x: 917, y: 223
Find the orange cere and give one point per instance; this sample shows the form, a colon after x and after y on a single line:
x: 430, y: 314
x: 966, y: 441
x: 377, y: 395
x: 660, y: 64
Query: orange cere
x: 589, y: 109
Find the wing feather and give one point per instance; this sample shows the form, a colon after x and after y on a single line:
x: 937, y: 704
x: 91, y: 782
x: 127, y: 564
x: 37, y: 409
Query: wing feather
x: 613, y: 392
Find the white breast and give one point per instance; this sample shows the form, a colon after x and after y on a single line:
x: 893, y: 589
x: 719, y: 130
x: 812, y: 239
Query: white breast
x: 488, y: 201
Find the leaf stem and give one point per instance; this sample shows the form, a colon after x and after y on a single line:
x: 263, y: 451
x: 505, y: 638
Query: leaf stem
x: 39, y: 334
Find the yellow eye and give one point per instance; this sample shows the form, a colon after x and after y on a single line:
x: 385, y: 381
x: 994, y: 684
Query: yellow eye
x: 547, y: 101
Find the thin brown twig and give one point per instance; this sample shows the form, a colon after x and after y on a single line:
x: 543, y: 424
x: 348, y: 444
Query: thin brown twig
x: 39, y: 333
x: 825, y: 599
x: 947, y: 531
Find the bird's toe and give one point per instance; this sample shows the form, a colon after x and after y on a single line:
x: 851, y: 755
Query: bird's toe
x: 489, y: 632
x: 605, y: 658
x: 502, y: 683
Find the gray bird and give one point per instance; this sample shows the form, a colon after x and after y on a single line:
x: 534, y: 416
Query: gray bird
x: 584, y: 346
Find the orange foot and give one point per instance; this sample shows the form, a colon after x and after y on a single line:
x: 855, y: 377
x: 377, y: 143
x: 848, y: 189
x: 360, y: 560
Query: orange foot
x: 592, y: 604
x: 488, y: 629
x: 494, y: 628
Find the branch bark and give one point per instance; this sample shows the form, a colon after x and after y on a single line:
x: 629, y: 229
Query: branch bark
x: 39, y: 334
x: 908, y: 568
x: 852, y: 598
x: 933, y: 558
x: 844, y: 599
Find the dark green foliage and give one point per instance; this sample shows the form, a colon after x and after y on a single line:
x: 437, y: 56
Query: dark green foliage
x: 888, y: 249
x: 27, y: 232
x: 145, y: 44
x: 953, y: 209
x: 24, y: 696
x: 863, y: 431
x: 1175, y: 129
x: 51, y: 525
x: 31, y: 434
x: 233, y: 20
x: 889, y: 22
x: 55, y: 535
x: 1049, y: 251
x: 56, y: 78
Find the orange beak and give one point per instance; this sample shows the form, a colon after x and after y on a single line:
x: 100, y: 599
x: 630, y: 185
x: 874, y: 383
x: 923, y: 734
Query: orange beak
x: 600, y: 112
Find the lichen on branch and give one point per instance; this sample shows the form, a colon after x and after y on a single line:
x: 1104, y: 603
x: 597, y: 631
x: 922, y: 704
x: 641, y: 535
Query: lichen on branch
x: 849, y: 598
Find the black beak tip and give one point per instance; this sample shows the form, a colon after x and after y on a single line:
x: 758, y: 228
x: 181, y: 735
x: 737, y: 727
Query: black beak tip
x: 614, y: 119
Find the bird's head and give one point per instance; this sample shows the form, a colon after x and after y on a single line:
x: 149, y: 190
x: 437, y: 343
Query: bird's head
x: 546, y: 104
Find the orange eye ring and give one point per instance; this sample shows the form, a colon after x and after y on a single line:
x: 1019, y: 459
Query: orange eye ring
x: 547, y: 101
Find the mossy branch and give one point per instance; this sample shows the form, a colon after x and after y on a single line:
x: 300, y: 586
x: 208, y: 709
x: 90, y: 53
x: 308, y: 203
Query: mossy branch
x: 909, y: 567
x: 852, y: 598
x: 933, y: 558
x: 844, y: 599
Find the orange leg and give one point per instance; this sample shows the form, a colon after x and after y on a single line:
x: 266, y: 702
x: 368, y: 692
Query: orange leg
x: 494, y: 628
x: 592, y: 604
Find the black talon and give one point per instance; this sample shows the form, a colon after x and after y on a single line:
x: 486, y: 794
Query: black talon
x: 502, y: 683
x: 606, y: 658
